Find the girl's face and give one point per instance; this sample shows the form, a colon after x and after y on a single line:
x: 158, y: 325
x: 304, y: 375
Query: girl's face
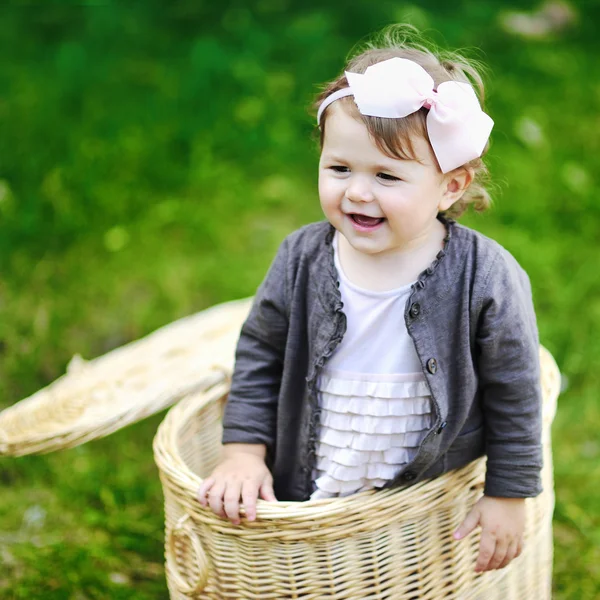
x: 380, y: 204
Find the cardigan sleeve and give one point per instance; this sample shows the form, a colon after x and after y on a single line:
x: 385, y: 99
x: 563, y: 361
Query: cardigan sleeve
x: 251, y: 409
x: 509, y: 371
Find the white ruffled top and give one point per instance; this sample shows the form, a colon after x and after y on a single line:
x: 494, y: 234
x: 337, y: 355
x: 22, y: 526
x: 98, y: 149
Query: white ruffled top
x: 375, y: 402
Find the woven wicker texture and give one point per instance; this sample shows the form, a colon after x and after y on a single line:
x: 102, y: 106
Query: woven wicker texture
x: 130, y: 383
x: 392, y: 544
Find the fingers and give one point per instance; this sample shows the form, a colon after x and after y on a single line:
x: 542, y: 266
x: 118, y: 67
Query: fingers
x: 227, y: 489
x: 487, y: 548
x: 266, y: 490
x: 215, y: 498
x: 249, y: 497
x: 468, y: 525
x: 510, y: 553
x: 231, y: 501
x: 203, y: 490
x: 210, y: 493
x: 497, y: 553
x: 224, y: 498
x: 500, y: 553
x: 520, y: 546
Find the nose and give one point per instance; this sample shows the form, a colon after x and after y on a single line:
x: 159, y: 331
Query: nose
x: 359, y: 190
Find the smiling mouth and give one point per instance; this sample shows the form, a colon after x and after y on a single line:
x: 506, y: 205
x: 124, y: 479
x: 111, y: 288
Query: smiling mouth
x: 365, y: 221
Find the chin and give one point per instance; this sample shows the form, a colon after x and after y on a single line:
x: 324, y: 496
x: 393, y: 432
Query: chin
x: 366, y: 248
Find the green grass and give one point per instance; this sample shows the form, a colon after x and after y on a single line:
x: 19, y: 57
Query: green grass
x: 152, y: 159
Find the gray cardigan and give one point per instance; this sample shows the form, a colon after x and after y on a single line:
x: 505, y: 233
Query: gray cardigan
x: 471, y: 317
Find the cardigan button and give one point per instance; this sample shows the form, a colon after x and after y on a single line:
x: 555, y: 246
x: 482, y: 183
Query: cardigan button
x: 432, y: 366
x: 409, y: 476
x: 442, y: 427
x: 415, y: 309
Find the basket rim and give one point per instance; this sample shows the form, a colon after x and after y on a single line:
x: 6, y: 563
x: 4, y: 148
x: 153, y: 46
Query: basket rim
x: 172, y: 466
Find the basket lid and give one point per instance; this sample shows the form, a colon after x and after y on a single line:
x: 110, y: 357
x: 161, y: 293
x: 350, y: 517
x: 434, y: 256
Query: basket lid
x: 95, y: 398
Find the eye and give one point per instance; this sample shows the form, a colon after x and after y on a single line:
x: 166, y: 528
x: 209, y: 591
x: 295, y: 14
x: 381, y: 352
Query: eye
x: 339, y: 169
x: 387, y: 177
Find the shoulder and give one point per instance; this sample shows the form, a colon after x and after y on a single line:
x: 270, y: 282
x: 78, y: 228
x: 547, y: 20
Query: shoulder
x: 310, y: 239
x: 497, y: 275
x: 307, y: 244
x: 490, y: 257
x: 300, y: 255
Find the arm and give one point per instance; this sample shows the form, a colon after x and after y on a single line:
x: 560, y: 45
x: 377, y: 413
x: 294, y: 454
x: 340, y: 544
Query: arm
x: 251, y: 410
x: 509, y: 371
x: 508, y: 364
x: 250, y: 413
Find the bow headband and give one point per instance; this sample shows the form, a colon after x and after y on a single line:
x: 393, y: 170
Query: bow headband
x: 457, y: 127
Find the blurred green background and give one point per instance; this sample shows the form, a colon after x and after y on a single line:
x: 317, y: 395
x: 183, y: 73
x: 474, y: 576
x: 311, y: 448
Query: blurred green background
x: 152, y: 157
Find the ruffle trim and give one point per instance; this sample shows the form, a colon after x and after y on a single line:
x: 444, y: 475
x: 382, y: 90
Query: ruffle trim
x: 371, y: 426
x: 375, y: 424
x: 376, y: 407
x: 368, y: 441
x: 363, y: 473
x: 328, y: 456
x: 373, y: 386
x: 328, y: 487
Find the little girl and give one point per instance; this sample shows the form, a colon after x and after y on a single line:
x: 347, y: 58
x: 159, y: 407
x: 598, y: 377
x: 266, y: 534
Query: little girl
x: 389, y: 344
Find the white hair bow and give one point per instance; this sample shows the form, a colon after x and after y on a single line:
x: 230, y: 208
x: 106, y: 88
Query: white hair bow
x: 458, y: 129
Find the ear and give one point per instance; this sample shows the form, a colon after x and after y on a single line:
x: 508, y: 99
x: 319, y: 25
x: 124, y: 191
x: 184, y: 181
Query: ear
x: 456, y: 183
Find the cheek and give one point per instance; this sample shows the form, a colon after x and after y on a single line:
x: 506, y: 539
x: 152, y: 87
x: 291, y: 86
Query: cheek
x: 392, y: 201
x: 328, y: 191
x: 321, y: 186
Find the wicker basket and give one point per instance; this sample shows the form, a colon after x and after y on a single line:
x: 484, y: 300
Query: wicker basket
x: 393, y: 544
x: 95, y: 398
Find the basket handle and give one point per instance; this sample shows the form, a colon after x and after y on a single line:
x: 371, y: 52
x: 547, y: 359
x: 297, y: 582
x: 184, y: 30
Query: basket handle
x: 183, y: 528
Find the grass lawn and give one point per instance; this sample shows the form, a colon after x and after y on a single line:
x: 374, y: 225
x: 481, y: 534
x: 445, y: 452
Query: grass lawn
x: 152, y: 159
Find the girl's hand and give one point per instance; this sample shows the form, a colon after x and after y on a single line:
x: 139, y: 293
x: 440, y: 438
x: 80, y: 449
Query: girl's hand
x: 502, y: 523
x: 240, y: 478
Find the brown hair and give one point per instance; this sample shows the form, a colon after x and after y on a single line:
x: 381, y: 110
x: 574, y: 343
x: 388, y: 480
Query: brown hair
x: 393, y: 136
